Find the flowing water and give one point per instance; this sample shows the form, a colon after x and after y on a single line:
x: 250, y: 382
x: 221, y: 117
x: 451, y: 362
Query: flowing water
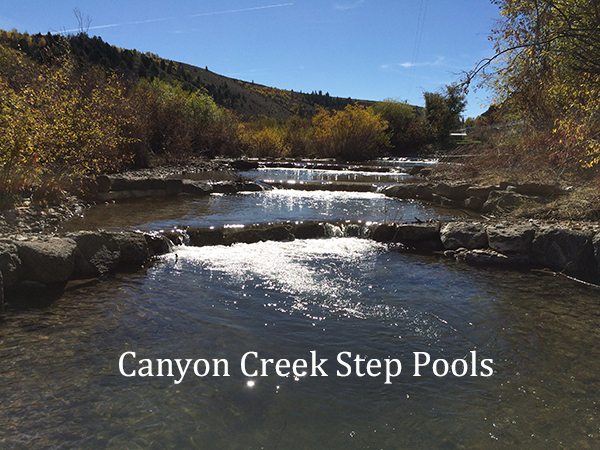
x: 62, y: 384
x: 278, y: 205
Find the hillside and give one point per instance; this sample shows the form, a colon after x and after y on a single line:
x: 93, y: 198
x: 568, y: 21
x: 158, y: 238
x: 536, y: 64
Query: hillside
x: 247, y: 99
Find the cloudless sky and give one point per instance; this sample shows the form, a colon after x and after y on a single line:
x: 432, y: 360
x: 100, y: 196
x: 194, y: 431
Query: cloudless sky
x: 366, y: 49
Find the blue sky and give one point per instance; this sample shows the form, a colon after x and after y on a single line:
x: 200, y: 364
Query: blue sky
x: 366, y: 49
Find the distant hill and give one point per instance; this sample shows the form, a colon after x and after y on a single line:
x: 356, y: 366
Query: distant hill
x: 247, y: 99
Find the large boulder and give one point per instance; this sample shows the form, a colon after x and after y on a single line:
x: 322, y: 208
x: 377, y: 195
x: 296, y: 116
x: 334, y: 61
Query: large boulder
x: 469, y: 235
x: 511, y: 238
x: 97, y: 254
x: 565, y: 250
x: 48, y: 261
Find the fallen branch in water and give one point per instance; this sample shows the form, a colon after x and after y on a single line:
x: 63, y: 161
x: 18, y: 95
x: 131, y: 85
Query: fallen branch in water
x: 547, y: 271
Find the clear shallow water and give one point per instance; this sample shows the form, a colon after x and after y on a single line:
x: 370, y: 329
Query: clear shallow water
x: 61, y: 385
x: 278, y: 205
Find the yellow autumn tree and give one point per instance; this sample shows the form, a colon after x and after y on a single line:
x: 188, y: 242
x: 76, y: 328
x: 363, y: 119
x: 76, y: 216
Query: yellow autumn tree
x: 546, y: 74
x: 354, y: 134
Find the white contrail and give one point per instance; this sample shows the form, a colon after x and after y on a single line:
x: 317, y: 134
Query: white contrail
x: 98, y: 27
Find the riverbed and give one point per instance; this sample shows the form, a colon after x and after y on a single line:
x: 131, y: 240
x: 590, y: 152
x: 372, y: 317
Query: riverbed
x: 73, y: 376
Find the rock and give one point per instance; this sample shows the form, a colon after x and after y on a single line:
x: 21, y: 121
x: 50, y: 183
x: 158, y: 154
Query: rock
x: 332, y: 231
x: 412, y: 233
x: 130, y: 183
x: 511, y: 239
x: 97, y: 254
x: 504, y: 200
x: 199, y: 237
x: 564, y: 249
x: 419, y: 237
x: 10, y: 263
x: 47, y: 261
x: 249, y: 186
x: 596, y: 247
x: 242, y: 164
x: 1, y: 289
x: 480, y: 191
x: 384, y: 232
x: 474, y: 203
x: 224, y: 187
x: 104, y: 183
x: 414, y: 170
x: 199, y: 188
x: 258, y: 233
x: 308, y: 230
x: 401, y: 191
x: 448, y: 202
x: 469, y: 235
x: 452, y: 191
x: 424, y: 191
x: 157, y: 243
x: 173, y: 187
x: 133, y: 247
x: 353, y: 230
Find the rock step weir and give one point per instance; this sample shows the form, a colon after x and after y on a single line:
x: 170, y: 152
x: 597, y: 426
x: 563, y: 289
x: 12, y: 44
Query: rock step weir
x: 45, y: 264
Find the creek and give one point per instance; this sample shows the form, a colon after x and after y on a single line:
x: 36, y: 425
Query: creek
x: 63, y: 367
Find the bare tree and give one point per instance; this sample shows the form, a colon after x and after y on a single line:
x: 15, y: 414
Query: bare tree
x: 83, y: 22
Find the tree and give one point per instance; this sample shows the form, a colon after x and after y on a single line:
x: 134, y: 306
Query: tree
x: 546, y: 71
x: 353, y: 134
x: 404, y: 124
x: 443, y: 112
